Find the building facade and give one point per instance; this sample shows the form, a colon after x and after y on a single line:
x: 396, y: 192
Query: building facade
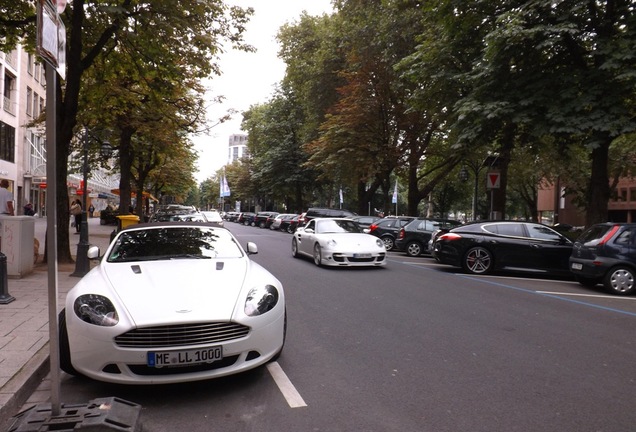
x: 237, y: 147
x: 555, y: 206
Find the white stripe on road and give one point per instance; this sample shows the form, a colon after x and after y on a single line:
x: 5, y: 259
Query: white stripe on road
x: 587, y: 295
x: 285, y: 386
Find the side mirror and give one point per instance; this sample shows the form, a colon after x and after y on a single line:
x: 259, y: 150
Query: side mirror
x: 93, y: 252
x: 308, y: 230
x: 251, y: 249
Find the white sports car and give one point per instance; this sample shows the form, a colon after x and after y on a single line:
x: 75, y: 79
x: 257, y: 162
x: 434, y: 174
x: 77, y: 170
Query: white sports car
x: 172, y: 302
x: 338, y: 242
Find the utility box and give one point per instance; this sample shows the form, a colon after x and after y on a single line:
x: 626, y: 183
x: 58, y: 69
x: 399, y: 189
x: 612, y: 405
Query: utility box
x: 17, y: 235
x: 127, y: 220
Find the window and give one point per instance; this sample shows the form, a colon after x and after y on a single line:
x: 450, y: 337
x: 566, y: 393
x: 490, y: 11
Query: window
x: 30, y: 64
x: 7, y: 142
x: 541, y: 232
x: 29, y: 102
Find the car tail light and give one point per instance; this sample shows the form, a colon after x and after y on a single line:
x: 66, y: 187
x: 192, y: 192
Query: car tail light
x: 609, y: 235
x: 401, y: 234
x: 449, y: 237
x: 372, y: 227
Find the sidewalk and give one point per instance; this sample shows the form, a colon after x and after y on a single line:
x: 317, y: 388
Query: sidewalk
x: 24, y: 327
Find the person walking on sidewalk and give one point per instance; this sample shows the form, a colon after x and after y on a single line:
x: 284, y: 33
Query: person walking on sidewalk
x: 6, y: 198
x: 76, y: 211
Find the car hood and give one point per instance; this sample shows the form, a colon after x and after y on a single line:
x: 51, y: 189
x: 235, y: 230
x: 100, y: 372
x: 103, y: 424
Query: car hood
x: 177, y: 290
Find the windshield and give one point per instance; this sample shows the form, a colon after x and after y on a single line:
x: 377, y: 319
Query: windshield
x: 174, y: 243
x: 337, y: 226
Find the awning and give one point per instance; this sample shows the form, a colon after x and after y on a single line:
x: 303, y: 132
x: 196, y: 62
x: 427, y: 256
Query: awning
x: 134, y: 194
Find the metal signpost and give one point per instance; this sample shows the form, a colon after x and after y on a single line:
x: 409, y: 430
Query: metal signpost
x: 103, y: 414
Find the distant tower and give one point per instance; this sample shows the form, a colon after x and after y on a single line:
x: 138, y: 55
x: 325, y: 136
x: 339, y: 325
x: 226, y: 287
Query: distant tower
x: 237, y: 147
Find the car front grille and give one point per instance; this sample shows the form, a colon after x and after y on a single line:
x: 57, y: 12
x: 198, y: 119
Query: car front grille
x: 181, y: 335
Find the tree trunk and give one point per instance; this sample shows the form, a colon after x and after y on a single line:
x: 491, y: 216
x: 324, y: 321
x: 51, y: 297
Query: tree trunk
x: 598, y: 191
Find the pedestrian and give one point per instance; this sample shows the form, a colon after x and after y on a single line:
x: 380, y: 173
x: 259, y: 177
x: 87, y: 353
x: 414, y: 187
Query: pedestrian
x: 6, y: 198
x: 28, y: 210
x: 91, y: 210
x: 76, y: 211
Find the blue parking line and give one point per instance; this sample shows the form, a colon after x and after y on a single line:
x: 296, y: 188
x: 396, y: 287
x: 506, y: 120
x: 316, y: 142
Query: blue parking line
x: 566, y: 299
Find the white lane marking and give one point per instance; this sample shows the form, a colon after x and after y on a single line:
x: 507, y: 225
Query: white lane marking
x: 587, y: 295
x: 285, y: 386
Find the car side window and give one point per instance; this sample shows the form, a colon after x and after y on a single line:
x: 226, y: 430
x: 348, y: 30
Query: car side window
x: 311, y: 225
x: 508, y: 229
x: 541, y: 232
x: 624, y: 238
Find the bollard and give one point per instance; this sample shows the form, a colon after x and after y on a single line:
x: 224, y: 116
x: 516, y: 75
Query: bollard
x: 5, y: 297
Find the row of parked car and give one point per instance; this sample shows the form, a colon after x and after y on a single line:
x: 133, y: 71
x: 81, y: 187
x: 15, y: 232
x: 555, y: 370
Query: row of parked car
x: 603, y: 254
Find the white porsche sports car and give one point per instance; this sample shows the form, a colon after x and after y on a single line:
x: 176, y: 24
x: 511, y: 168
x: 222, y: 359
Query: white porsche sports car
x: 172, y: 302
x: 338, y: 242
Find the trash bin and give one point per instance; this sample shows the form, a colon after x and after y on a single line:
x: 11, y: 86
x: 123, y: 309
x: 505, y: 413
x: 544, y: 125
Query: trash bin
x: 127, y: 220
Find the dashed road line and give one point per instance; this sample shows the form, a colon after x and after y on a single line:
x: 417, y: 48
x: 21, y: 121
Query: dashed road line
x: 285, y: 386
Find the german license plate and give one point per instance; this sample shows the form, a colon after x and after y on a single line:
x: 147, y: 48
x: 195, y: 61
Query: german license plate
x: 362, y: 255
x: 577, y: 266
x: 160, y: 359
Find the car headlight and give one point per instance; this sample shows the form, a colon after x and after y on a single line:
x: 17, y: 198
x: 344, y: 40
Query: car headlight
x: 260, y: 300
x: 379, y: 243
x: 96, y: 309
x: 332, y: 243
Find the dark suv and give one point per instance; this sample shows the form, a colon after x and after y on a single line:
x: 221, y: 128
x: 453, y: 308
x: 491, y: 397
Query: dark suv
x: 319, y: 212
x: 387, y: 229
x: 413, y: 238
x: 606, y: 253
x: 260, y: 220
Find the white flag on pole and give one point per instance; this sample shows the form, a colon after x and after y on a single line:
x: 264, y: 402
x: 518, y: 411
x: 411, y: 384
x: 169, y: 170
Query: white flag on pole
x: 395, y: 194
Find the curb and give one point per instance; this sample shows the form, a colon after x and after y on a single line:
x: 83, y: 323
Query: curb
x: 23, y: 384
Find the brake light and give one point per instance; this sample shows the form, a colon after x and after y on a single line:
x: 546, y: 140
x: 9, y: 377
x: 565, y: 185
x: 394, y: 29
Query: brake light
x: 449, y: 237
x: 401, y: 234
x: 609, y: 235
x: 372, y: 227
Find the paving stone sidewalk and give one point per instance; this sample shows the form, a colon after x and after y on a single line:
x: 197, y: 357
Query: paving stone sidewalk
x: 24, y: 326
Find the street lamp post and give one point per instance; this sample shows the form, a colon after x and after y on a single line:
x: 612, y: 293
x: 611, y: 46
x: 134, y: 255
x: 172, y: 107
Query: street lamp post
x: 82, y: 264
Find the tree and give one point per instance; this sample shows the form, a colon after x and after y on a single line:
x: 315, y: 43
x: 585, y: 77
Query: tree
x: 97, y: 29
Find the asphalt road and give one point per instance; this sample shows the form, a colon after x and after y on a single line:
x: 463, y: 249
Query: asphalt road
x: 414, y: 347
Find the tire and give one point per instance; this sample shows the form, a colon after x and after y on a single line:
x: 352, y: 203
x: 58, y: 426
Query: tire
x: 414, y: 249
x: 290, y: 229
x: 478, y: 260
x: 294, y: 248
x: 277, y: 355
x: 317, y: 255
x: 389, y: 243
x: 587, y: 282
x: 65, y: 350
x: 620, y: 280
x: 261, y: 225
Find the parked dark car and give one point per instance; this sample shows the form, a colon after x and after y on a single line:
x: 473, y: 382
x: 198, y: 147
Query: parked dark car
x: 286, y: 223
x: 414, y: 237
x: 606, y: 253
x: 294, y: 223
x: 365, y: 221
x: 277, y: 221
x: 108, y: 216
x: 316, y: 212
x: 388, y: 229
x: 260, y: 220
x: 246, y: 218
x: 484, y: 247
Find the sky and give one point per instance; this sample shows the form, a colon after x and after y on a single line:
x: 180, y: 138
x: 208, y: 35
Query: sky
x: 248, y: 78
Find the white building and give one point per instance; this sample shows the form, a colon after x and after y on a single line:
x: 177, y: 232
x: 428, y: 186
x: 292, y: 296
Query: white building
x: 237, y: 146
